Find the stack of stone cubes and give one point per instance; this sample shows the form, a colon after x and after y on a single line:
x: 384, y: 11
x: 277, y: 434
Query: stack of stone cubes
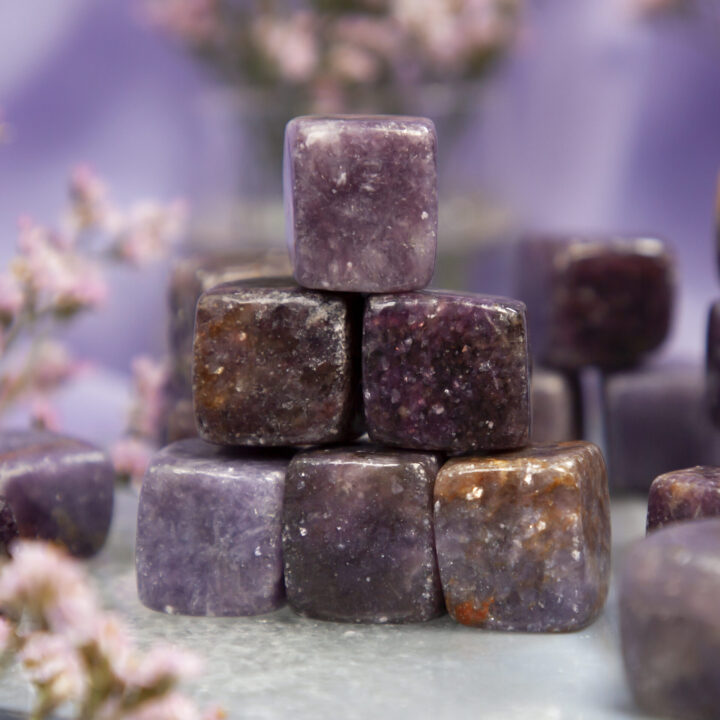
x: 284, y: 495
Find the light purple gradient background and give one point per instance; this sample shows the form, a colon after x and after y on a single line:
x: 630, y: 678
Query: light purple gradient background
x: 597, y: 122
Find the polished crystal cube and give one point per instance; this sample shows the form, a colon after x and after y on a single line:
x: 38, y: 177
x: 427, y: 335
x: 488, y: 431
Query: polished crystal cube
x: 208, y: 534
x: 358, y: 535
x: 361, y: 202
x: 58, y: 488
x: 684, y: 495
x: 523, y: 538
x: 274, y: 364
x: 446, y: 371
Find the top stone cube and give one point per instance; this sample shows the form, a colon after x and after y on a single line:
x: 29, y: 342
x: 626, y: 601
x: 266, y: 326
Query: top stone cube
x: 361, y: 202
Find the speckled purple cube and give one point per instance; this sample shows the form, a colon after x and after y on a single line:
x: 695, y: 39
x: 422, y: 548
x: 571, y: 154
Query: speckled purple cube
x: 523, y: 538
x: 712, y: 364
x: 58, y: 488
x: 605, y: 302
x: 445, y: 371
x: 358, y: 535
x: 684, y: 495
x: 669, y: 620
x: 208, y: 535
x: 274, y: 364
x: 361, y: 202
x: 657, y: 421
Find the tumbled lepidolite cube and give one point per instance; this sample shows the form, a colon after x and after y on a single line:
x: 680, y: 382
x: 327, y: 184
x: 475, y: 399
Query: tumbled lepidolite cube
x: 208, y: 534
x: 604, y: 302
x: 444, y: 371
x: 555, y: 403
x: 361, y: 202
x: 274, y: 364
x: 669, y: 622
x: 358, y: 535
x: 58, y: 488
x: 712, y: 362
x: 523, y: 538
x: 684, y: 495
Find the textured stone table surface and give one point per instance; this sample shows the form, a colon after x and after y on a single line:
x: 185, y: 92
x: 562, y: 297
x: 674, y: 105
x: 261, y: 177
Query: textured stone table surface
x: 282, y: 666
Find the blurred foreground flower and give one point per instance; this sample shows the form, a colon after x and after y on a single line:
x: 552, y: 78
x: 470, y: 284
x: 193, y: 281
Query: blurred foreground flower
x: 77, y: 655
x: 58, y: 274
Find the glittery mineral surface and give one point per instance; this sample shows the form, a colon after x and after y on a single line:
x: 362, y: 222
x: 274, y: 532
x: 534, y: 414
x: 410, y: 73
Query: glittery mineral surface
x: 274, y: 364
x: 444, y: 371
x: 358, y: 536
x: 523, y: 538
x: 58, y: 488
x: 208, y: 538
x: 361, y: 202
x: 684, y: 495
x: 669, y: 620
x: 605, y: 302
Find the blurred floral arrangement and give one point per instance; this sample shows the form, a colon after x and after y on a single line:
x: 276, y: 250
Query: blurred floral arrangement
x: 74, y: 654
x: 59, y: 274
x: 335, y: 55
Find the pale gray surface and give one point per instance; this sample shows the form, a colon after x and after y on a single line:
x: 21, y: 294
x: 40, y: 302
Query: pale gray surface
x: 283, y: 666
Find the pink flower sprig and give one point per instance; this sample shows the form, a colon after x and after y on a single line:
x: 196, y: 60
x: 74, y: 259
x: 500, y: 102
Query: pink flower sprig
x: 75, y: 654
x: 58, y: 274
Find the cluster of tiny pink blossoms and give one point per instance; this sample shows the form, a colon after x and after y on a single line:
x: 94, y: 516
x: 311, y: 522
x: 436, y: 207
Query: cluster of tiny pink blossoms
x: 59, y: 273
x: 75, y: 654
x: 132, y: 453
x: 328, y: 51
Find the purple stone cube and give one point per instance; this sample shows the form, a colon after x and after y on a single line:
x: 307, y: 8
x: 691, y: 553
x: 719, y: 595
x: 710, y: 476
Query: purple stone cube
x: 712, y: 364
x: 8, y: 527
x: 603, y: 302
x: 274, y: 365
x: 657, y: 421
x: 445, y: 371
x: 361, y: 202
x: 523, y: 538
x: 684, y: 495
x: 358, y: 536
x: 555, y: 407
x: 194, y: 275
x: 208, y: 534
x: 58, y: 488
x: 669, y: 620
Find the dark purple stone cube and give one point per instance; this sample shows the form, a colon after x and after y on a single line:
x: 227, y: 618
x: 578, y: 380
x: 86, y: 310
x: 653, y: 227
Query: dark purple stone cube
x: 358, y: 536
x: 603, y: 302
x: 555, y: 406
x: 712, y: 364
x: 657, y: 421
x: 208, y: 538
x: 58, y: 488
x: 274, y: 364
x: 684, y: 495
x: 445, y: 371
x: 669, y: 620
x: 361, y: 202
x: 523, y: 538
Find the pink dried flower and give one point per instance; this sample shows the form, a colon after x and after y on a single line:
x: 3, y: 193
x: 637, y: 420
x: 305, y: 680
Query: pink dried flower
x: 171, y: 706
x: 353, y: 63
x: 131, y: 457
x: 7, y: 635
x: 88, y: 197
x: 148, y: 231
x: 164, y: 664
x: 44, y: 415
x: 290, y: 44
x: 12, y: 297
x: 149, y: 380
x: 52, y: 663
x: 110, y: 638
x: 52, y: 366
x: 195, y: 21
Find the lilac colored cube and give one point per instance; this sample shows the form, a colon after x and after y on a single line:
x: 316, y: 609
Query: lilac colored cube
x: 361, y: 202
x: 684, y: 495
x: 58, y: 488
x: 274, y: 364
x: 208, y: 534
x: 444, y: 371
x: 669, y: 620
x: 191, y: 277
x: 358, y: 536
x: 602, y: 302
x: 523, y: 538
x: 555, y: 407
x: 657, y: 421
x: 712, y: 364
